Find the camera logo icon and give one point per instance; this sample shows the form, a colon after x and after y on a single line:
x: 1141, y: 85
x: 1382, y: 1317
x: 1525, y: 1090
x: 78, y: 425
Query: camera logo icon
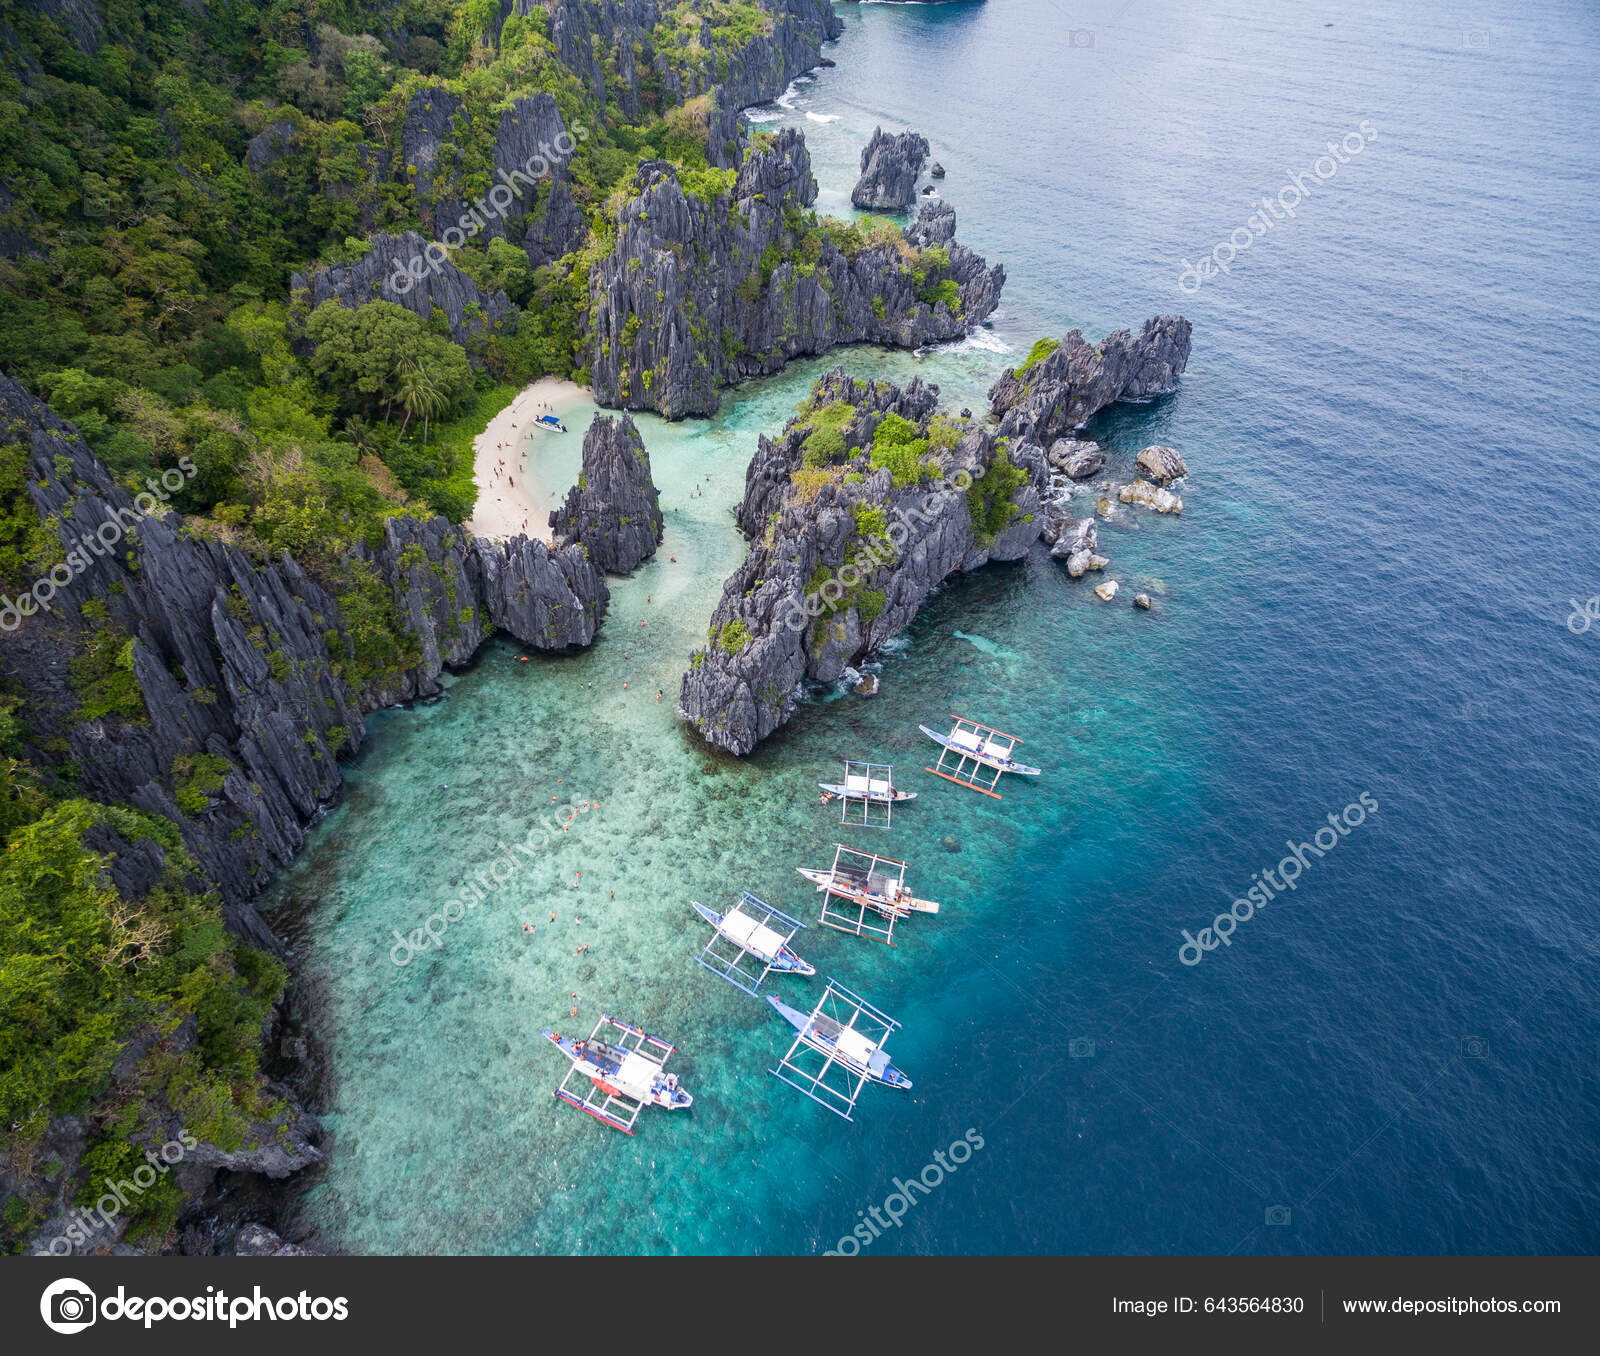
x: 1080, y: 37
x: 1475, y: 1047
x: 1279, y: 1215
x: 67, y: 1306
x: 1080, y: 1047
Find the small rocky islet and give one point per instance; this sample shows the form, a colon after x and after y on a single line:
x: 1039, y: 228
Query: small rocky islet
x: 873, y: 496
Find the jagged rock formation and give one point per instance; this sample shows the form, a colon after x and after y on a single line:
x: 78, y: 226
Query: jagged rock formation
x: 1077, y: 460
x: 246, y: 660
x: 844, y: 552
x: 700, y: 293
x: 614, y: 511
x: 1161, y: 464
x: 626, y: 34
x: 1049, y: 398
x: 890, y: 168
x: 397, y: 268
x: 1143, y: 492
x: 268, y: 146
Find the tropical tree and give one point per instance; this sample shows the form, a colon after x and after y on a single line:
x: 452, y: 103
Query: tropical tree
x: 419, y: 393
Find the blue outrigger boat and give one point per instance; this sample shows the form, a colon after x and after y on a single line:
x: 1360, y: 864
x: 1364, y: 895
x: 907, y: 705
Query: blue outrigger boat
x: 748, y: 926
x: 849, y: 1034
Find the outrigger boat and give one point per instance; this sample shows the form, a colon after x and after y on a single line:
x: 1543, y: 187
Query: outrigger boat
x: 848, y: 1033
x: 550, y: 422
x: 871, y: 883
x: 625, y: 1073
x: 872, y: 785
x: 981, y: 746
x: 752, y: 928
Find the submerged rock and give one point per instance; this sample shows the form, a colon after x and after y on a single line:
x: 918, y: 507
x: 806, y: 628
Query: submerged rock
x: 1143, y: 492
x: 1107, y: 590
x: 1074, y: 381
x: 890, y: 167
x: 614, y: 511
x: 1161, y: 464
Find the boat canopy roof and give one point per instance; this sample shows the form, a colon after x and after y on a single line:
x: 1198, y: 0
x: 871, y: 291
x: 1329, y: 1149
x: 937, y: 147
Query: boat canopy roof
x: 853, y: 1045
x: 877, y: 786
x: 751, y: 934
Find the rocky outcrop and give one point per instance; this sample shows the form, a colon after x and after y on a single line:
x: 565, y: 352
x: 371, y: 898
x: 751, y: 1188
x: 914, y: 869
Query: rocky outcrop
x: 614, y: 511
x: 1074, y: 536
x: 1077, y: 460
x: 251, y: 661
x: 890, y: 168
x: 1143, y: 492
x: 256, y: 1240
x: 1161, y: 464
x: 701, y: 292
x: 844, y: 552
x: 596, y: 37
x: 1047, y: 399
x: 269, y: 145
x: 552, y: 600
x: 398, y: 268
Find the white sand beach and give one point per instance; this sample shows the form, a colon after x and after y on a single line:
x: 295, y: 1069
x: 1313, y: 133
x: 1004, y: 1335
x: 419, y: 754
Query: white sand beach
x: 507, y: 457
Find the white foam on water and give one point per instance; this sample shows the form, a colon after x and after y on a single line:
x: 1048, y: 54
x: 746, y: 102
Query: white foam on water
x: 822, y: 117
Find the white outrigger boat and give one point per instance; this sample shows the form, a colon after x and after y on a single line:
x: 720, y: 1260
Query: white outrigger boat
x: 549, y: 423
x: 753, y: 929
x: 625, y: 1073
x: 870, y: 784
x: 871, y: 883
x: 849, y: 1035
x: 981, y: 746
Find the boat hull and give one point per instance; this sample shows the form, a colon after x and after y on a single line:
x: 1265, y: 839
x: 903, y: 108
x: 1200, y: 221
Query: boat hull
x: 895, y: 798
x: 903, y: 907
x: 984, y: 759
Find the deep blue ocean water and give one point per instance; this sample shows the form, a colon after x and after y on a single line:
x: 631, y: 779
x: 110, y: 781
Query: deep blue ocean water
x: 1390, y: 422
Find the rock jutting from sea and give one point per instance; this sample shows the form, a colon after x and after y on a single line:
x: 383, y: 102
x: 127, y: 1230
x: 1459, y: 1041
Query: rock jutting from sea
x: 890, y: 168
x: 869, y: 499
x: 614, y: 511
x: 716, y: 277
x: 1065, y: 384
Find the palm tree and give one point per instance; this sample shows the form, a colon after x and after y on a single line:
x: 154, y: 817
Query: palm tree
x: 358, y: 433
x: 418, y: 393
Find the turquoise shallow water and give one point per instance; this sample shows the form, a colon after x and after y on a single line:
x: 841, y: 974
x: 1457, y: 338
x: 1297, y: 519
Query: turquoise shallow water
x: 1389, y: 422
